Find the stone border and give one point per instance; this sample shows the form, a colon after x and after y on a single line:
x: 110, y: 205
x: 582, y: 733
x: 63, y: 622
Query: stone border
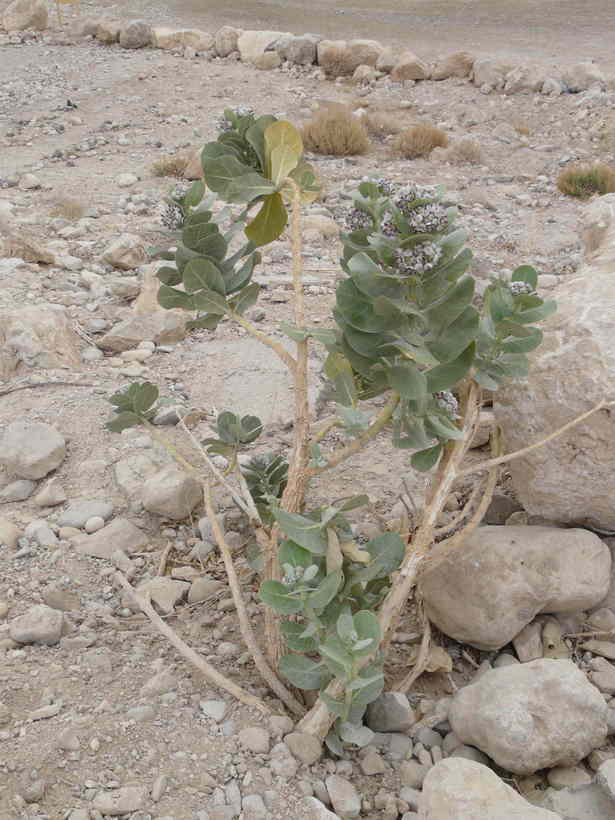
x: 364, y: 61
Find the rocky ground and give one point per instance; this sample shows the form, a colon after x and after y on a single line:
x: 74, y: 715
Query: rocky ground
x: 98, y: 714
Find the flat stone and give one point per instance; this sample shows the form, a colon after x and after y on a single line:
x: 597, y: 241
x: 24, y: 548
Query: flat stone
x: 165, y: 592
x: 344, y: 797
x: 120, y: 534
x: 602, y: 675
x: 215, y: 709
x: 52, y: 494
x: 77, y: 513
x: 120, y: 801
x: 315, y: 810
x: 306, y: 748
x: 255, y: 739
x: 584, y: 803
x: 605, y: 778
x: 172, y: 493
x: 563, y: 777
x: 18, y: 490
x: 161, y: 327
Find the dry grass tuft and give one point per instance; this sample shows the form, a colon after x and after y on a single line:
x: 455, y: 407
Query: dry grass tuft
x: 68, y: 208
x: 379, y: 124
x: 583, y: 180
x: 338, y: 62
x: 465, y: 151
x: 335, y: 131
x: 420, y: 141
x: 173, y: 165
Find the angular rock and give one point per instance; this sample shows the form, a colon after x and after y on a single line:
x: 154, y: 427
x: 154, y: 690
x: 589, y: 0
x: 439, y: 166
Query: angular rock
x: 165, y: 592
x: 9, y: 534
x: 300, y: 50
x: 563, y: 777
x: 267, y: 61
x: 365, y: 52
x: 605, y: 778
x: 25, y: 14
x: 531, y: 716
x: 167, y: 38
x: 584, y: 803
x: 528, y: 643
x: 410, y: 67
x: 524, y: 78
x: 255, y: 739
x: 225, y: 40
x: 51, y: 495
x: 132, y: 472
x: 136, y: 34
x: 17, y: 491
x: 364, y: 75
x: 108, y: 31
x: 38, y: 336
x: 161, y: 327
x: 572, y: 370
x: 160, y: 683
x: 502, y: 577
x: 598, y: 231
x: 306, y: 748
x: 459, y: 64
x: 391, y: 712
x: 203, y: 588
x: 77, y: 513
x: 581, y: 76
x: 40, y: 531
x: 387, y: 60
x: 491, y: 72
x: 124, y: 800
x: 120, y: 534
x: 31, y: 449
x: 253, y: 44
x: 464, y: 790
x: 126, y: 252
x: 172, y: 493
x: 602, y: 675
x: 344, y: 797
x: 40, y: 625
x: 315, y: 810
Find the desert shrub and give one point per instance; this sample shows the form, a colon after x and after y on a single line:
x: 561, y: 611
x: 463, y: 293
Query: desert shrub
x: 465, y: 151
x: 585, y: 179
x: 336, y: 131
x: 68, y: 208
x: 381, y: 124
x: 172, y: 165
x: 338, y: 62
x: 420, y: 140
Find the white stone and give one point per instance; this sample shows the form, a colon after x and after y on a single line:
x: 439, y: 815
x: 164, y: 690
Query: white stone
x: 531, y: 716
x: 501, y: 577
x: 255, y: 739
x: 225, y: 41
x: 164, y: 592
x: 166, y: 38
x: 120, y: 534
x: 458, y: 789
x: 161, y: 327
x: 315, y: 810
x: 25, y: 14
x: 172, y: 493
x: 410, y: 67
x: 253, y: 44
x: 126, y: 252
x: 581, y: 76
x: 124, y: 800
x: 31, y: 449
x: 344, y: 796
x: 491, y: 72
x: 38, y: 336
x: 40, y: 624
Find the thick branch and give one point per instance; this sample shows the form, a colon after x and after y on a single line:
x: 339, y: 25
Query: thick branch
x: 355, y: 446
x: 494, y: 462
x: 244, y: 622
x: 207, y: 670
x: 276, y: 346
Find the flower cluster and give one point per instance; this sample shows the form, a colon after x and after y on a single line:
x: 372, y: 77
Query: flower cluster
x: 419, y: 259
x: 359, y: 220
x: 517, y: 288
x: 172, y: 216
x: 224, y: 124
x: 447, y: 402
x: 431, y: 218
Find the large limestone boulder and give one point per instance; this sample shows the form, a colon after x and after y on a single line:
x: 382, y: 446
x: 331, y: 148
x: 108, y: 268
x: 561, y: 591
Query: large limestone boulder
x: 459, y: 64
x: 299, y: 50
x: 581, y: 76
x: 531, y: 716
x: 466, y: 790
x: 225, y: 40
x: 136, y: 34
x: 252, y: 45
x: 491, y: 72
x: 571, y: 479
x: 501, y: 577
x: 25, y: 14
x: 40, y: 625
x: 167, y: 38
x: 410, y: 67
x: 524, y: 78
x: 108, y: 31
x: 31, y: 449
x: 37, y: 336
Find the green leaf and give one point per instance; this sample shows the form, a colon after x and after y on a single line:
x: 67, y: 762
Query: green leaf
x: 336, y: 707
x: 208, y: 301
x: 407, y: 380
x: 169, y: 276
x: 527, y: 274
x: 456, y: 299
x: 241, y: 277
x: 171, y: 298
x: 282, y: 137
x: 326, y: 591
x: 293, y: 554
x: 269, y: 222
x: 123, y: 420
x: 208, y: 322
x: 194, y: 194
x: 303, y: 672
x: 368, y: 629
x: 222, y: 171
x: 355, y: 421
x: 247, y: 188
x: 275, y: 595
x: 229, y: 427
x: 526, y: 344
x: 293, y: 633
x: 246, y: 298
x: 203, y: 236
x: 338, y: 659
x: 202, y: 273
x: 339, y: 370
x: 366, y: 688
x: 145, y: 396
x: 283, y: 161
x: 457, y: 336
x: 251, y: 428
x: 334, y: 744
x: 442, y: 427
x: 445, y: 376
x: 303, y: 531
x: 345, y: 627
x: 527, y: 317
x: 183, y: 255
x: 424, y: 460
x: 387, y: 551
x: 255, y: 136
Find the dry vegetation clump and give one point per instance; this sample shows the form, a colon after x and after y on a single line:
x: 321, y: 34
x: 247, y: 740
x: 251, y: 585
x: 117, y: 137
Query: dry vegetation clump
x: 338, y: 61
x: 607, y: 137
x: 335, y: 131
x: 584, y: 179
x: 420, y: 141
x: 465, y: 151
x: 380, y: 124
x: 68, y: 208
x: 522, y: 128
x: 173, y: 165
